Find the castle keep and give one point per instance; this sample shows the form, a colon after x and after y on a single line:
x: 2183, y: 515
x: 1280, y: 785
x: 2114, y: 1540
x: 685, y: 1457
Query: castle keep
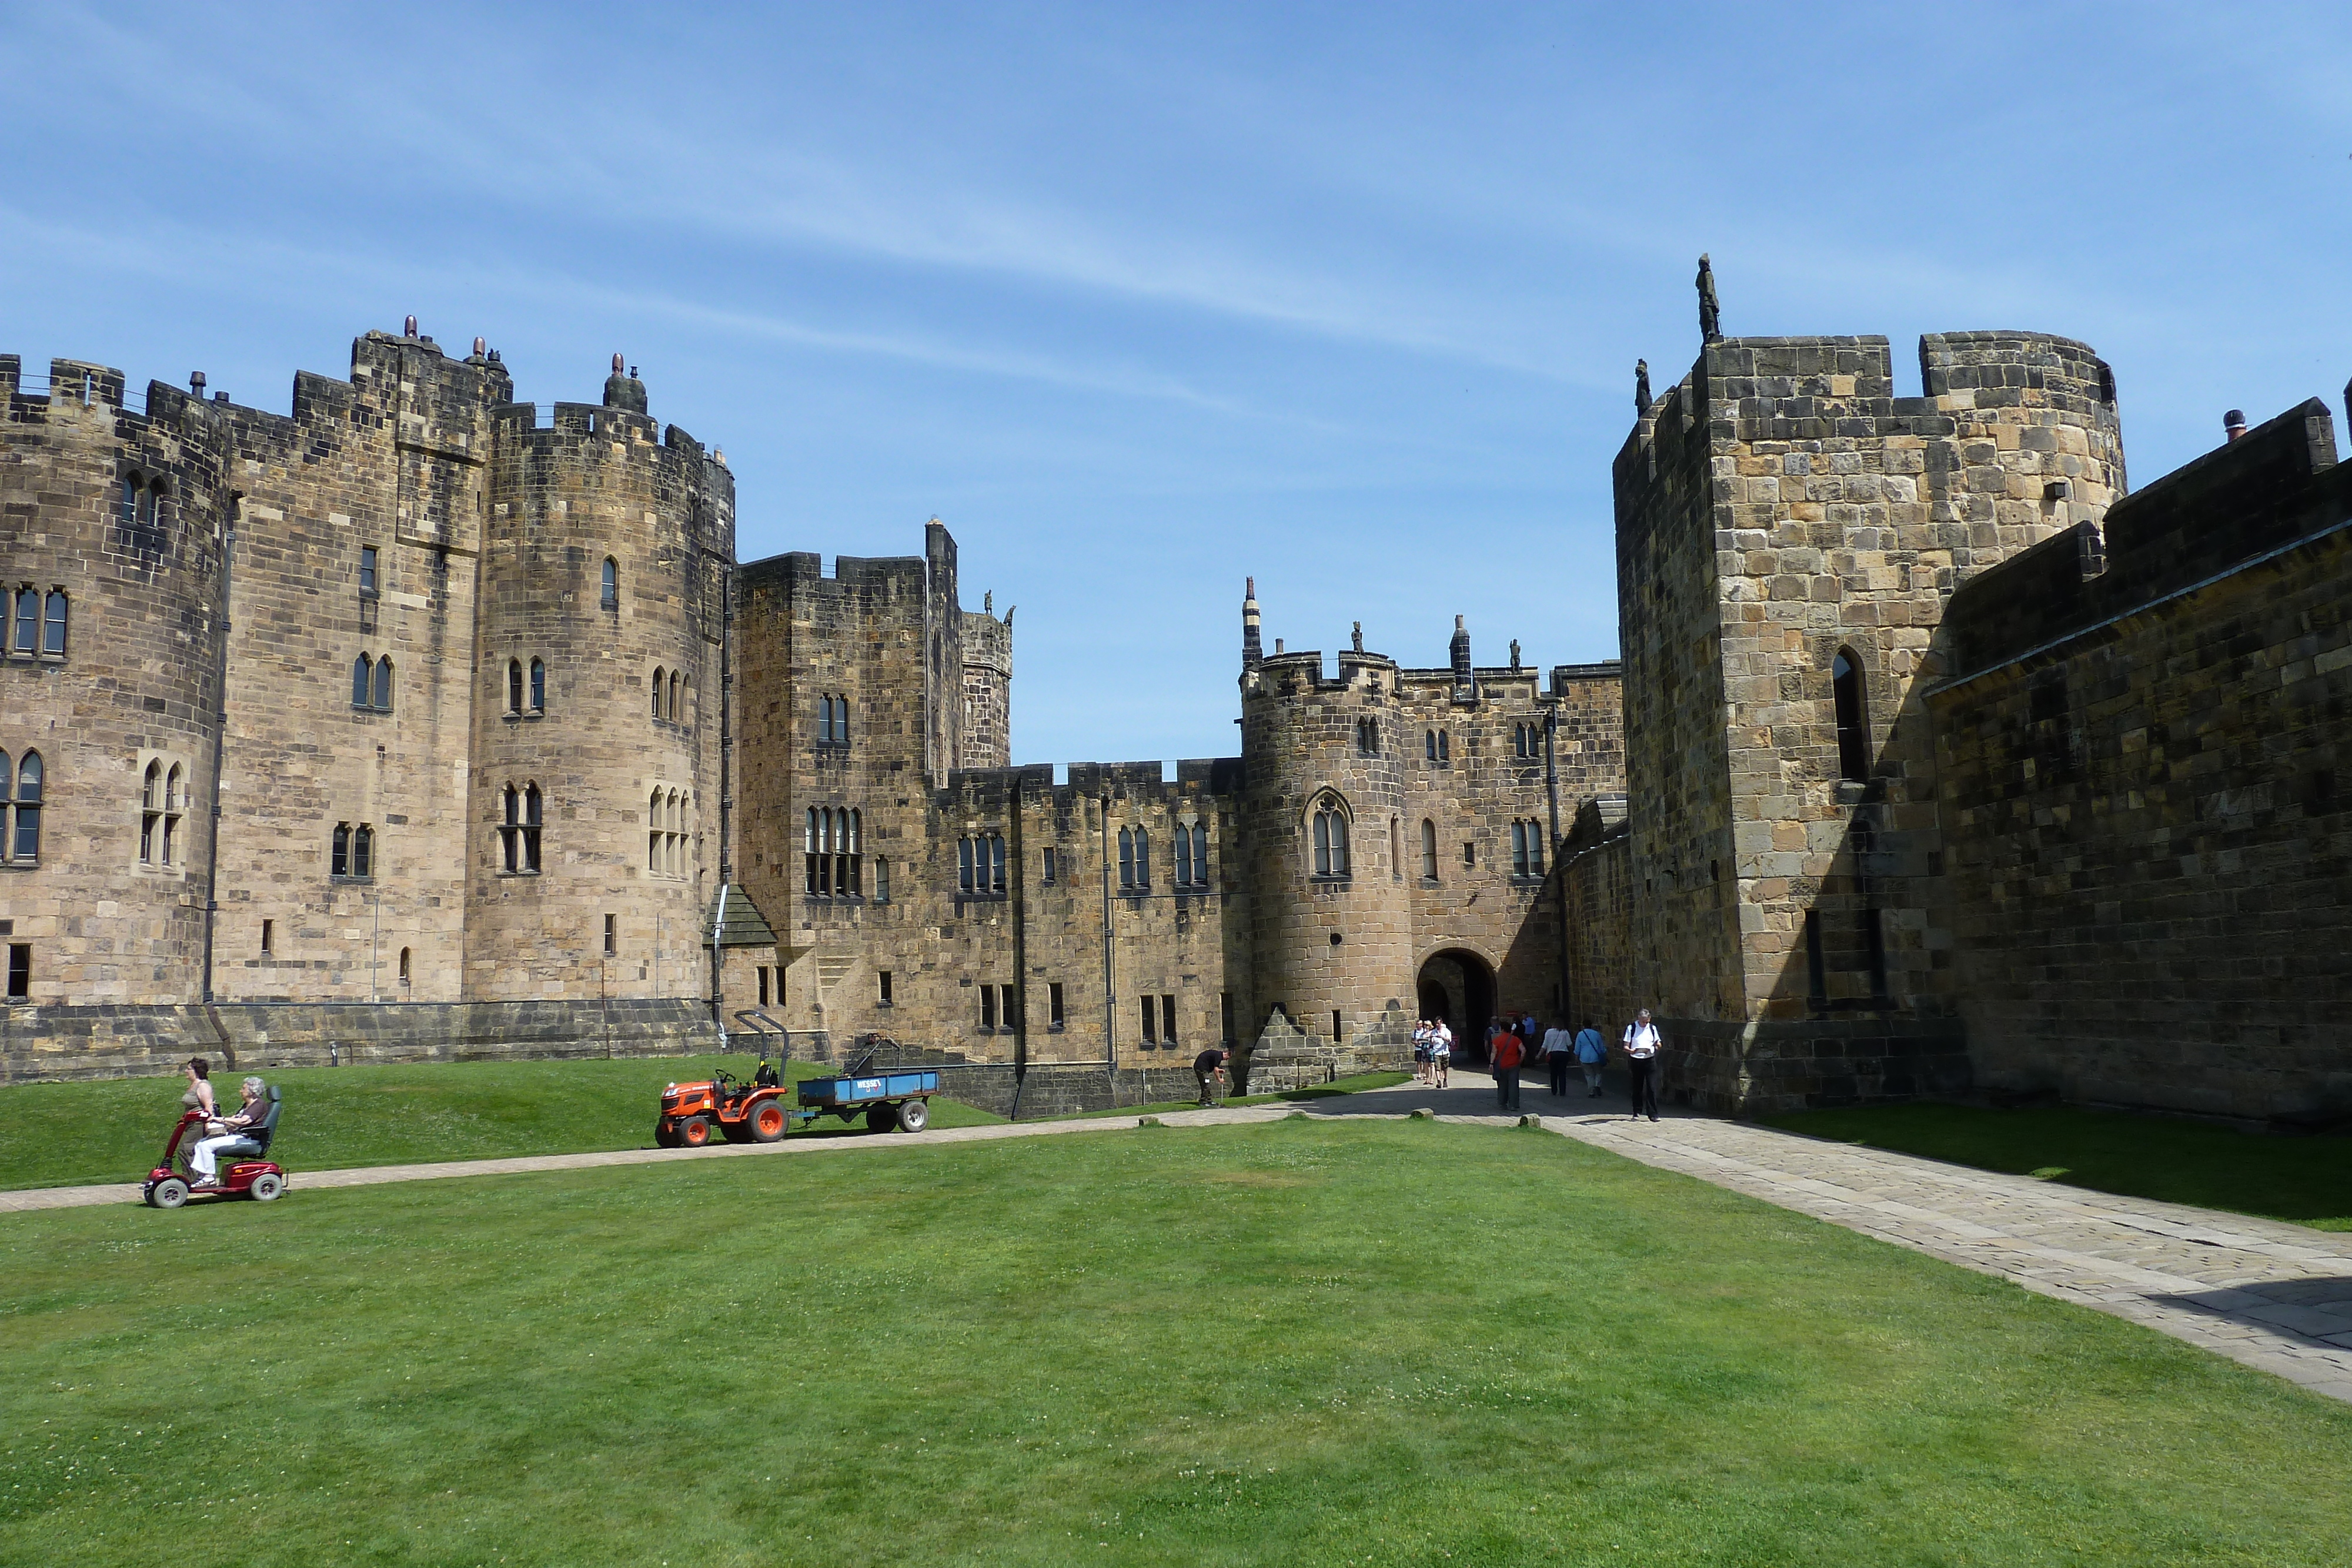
x: 414, y: 725
x: 1941, y: 761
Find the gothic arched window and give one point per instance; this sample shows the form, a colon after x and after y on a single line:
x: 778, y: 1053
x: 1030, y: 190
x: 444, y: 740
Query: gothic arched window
x: 514, y: 685
x: 362, y: 681
x: 1428, y: 850
x: 612, y: 599
x: 384, y: 685
x: 537, y: 686
x: 1330, y: 831
x: 26, y: 844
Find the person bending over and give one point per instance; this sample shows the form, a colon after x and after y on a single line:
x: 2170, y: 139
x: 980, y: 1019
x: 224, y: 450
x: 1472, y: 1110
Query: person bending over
x: 1209, y: 1067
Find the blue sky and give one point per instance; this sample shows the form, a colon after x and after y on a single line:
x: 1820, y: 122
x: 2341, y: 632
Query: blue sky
x: 1143, y: 300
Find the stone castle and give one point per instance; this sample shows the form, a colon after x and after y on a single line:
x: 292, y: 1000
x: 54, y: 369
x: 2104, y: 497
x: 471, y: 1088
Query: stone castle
x: 1938, y: 762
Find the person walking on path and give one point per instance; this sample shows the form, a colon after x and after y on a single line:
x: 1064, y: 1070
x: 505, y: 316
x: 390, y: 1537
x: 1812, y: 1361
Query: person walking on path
x: 1558, y: 1048
x: 1420, y: 1033
x: 1441, y: 1054
x: 1209, y: 1067
x: 1641, y: 1063
x: 1506, y: 1052
x: 1590, y: 1054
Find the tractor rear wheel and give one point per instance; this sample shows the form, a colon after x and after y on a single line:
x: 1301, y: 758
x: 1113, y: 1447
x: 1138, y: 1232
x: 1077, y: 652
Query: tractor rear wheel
x: 914, y: 1116
x: 882, y: 1118
x: 694, y: 1131
x: 766, y: 1121
x: 170, y: 1192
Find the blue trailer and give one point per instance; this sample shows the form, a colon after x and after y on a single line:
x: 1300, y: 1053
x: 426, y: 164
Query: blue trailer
x: 888, y: 1101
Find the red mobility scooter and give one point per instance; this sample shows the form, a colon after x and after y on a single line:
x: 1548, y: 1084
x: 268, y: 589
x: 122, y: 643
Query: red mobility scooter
x: 249, y: 1176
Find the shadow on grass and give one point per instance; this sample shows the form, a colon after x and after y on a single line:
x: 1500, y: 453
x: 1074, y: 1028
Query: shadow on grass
x: 1355, y: 1086
x: 2304, y: 1180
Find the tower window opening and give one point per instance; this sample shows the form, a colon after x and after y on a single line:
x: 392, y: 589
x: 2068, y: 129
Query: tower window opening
x: 1817, y: 980
x: 368, y: 589
x: 404, y: 966
x: 20, y: 971
x: 53, y: 625
x: 1168, y: 1021
x: 1368, y: 737
x: 677, y: 708
x: 537, y: 685
x: 362, y: 679
x: 24, y: 845
x: 658, y: 676
x: 988, y: 1010
x: 1429, y: 743
x: 1873, y: 940
x: 128, y: 513
x: 1469, y: 851
x: 881, y: 880
x: 883, y: 998
x: 150, y: 813
x: 362, y: 851
x: 268, y: 938
x: 1335, y: 1026
x: 612, y: 595
x: 147, y: 505
x: 1445, y: 746
x: 1054, y: 1004
x: 612, y: 950
x: 1396, y: 851
x: 1428, y: 851
x: 980, y: 865
x: 514, y: 685
x: 1330, y: 829
x: 1150, y: 1006
x: 27, y: 641
x: 1049, y: 866
x: 1853, y: 729
x: 1527, y: 848
x: 384, y: 685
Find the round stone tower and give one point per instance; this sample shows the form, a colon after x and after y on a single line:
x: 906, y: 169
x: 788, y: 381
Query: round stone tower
x: 1324, y: 816
x: 110, y: 635
x: 596, y: 813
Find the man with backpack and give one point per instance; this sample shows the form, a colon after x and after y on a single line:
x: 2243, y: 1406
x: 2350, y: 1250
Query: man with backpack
x: 1507, y: 1050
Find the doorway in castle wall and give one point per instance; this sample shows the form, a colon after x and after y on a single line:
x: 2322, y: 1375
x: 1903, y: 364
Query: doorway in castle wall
x: 1457, y: 986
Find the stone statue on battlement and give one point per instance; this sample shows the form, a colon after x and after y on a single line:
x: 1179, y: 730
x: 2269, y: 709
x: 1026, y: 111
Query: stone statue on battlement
x: 1641, y: 389
x: 1710, y: 310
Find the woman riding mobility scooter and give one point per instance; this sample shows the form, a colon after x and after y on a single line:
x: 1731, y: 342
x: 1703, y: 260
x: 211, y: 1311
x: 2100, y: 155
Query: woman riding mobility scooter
x: 250, y: 1176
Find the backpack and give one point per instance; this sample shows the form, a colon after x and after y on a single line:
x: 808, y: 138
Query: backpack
x: 1507, y: 1051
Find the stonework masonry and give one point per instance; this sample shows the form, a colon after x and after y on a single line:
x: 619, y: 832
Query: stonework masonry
x: 469, y: 737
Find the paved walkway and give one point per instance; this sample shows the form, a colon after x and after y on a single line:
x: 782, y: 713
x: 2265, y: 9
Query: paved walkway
x: 2273, y: 1296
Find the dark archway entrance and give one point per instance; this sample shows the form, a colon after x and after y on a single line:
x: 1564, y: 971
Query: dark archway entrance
x: 1457, y: 985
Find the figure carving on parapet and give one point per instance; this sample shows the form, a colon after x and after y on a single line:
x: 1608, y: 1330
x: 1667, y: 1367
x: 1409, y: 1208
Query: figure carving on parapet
x: 1710, y: 311
x: 1515, y: 652
x: 1357, y: 637
x: 624, y: 392
x: 988, y: 603
x: 1641, y: 389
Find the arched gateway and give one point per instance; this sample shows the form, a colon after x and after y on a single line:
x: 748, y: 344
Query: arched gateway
x: 1458, y: 986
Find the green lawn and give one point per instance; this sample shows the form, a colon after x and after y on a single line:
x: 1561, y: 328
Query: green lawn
x: 70, y: 1134
x: 1301, y: 1343
x: 2307, y: 1180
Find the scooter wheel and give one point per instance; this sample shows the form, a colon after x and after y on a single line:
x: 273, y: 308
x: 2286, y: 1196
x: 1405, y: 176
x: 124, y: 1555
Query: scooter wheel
x: 169, y: 1193
x: 266, y: 1187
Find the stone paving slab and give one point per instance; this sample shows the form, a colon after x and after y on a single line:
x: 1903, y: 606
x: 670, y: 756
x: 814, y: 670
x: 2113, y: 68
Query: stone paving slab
x: 2270, y: 1295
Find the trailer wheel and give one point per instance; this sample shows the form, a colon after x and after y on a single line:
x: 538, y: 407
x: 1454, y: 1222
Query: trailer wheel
x: 266, y: 1187
x: 882, y: 1118
x: 914, y: 1116
x: 170, y: 1192
x: 694, y: 1131
x: 767, y: 1121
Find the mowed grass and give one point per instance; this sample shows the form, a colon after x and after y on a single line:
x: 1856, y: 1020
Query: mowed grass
x: 1297, y: 1342
x: 2307, y: 1180
x: 112, y: 1129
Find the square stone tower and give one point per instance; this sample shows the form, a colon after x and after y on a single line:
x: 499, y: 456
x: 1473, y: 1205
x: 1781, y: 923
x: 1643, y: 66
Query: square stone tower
x: 1788, y: 532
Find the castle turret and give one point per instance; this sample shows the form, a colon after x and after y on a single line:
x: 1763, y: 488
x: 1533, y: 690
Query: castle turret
x: 1324, y: 809
x: 1253, y: 651
x: 596, y: 778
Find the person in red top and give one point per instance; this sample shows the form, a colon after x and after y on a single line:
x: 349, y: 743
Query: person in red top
x: 1507, y: 1050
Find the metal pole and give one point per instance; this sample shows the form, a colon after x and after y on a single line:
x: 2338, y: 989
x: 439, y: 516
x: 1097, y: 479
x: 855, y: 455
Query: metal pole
x: 1110, y: 999
x: 375, y: 950
x: 220, y: 742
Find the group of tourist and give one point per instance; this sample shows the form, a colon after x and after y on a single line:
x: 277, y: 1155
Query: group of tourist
x: 1512, y: 1037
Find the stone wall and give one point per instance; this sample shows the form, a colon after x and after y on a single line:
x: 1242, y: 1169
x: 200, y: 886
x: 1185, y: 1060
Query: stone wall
x: 49, y: 1043
x: 2144, y: 751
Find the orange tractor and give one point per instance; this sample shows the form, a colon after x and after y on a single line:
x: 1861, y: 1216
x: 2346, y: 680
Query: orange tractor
x: 743, y: 1111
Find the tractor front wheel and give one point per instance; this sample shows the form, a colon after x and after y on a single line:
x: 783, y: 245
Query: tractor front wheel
x: 694, y: 1131
x: 664, y: 1136
x: 882, y: 1118
x: 766, y: 1121
x: 914, y: 1116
